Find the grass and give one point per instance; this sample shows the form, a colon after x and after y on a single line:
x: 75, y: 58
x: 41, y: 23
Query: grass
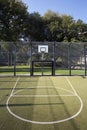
x: 33, y: 99
x: 10, y: 70
x: 37, y: 70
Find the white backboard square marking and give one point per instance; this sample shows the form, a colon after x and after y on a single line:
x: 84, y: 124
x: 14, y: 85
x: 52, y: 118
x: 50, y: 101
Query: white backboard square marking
x: 43, y: 48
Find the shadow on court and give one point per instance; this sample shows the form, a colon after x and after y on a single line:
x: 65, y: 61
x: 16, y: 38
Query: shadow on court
x: 31, y: 104
x: 18, y: 105
x: 72, y: 122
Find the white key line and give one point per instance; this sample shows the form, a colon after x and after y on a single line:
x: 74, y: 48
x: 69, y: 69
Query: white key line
x: 42, y: 95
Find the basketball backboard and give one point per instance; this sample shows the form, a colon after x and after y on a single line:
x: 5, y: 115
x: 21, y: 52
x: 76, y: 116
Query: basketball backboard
x: 43, y: 48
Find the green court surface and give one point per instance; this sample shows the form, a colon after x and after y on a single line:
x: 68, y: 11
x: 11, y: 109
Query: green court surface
x: 43, y: 103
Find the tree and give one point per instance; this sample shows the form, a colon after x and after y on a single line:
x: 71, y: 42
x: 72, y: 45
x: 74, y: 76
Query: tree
x: 68, y: 27
x: 53, y: 26
x: 81, y: 29
x: 12, y: 17
x: 35, y: 27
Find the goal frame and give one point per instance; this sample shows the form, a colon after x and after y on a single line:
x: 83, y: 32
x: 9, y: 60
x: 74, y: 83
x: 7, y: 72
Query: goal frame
x: 43, y: 61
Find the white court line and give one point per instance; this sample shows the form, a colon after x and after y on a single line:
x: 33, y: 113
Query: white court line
x: 71, y: 86
x: 53, y: 122
x: 43, y: 88
x: 42, y: 95
x: 14, y: 86
x: 7, y: 103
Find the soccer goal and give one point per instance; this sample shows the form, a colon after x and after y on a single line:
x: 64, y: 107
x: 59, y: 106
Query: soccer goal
x: 42, y: 67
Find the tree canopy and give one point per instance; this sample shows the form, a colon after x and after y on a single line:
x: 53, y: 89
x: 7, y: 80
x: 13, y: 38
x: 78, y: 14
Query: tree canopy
x: 12, y: 19
x: 17, y: 22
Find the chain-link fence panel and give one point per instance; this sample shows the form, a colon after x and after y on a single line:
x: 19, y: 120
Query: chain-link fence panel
x: 6, y: 58
x: 48, y: 58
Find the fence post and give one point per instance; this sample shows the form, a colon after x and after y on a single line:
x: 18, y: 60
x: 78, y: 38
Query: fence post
x: 85, y: 58
x: 69, y: 58
x: 54, y: 61
x: 14, y: 59
x: 31, y: 69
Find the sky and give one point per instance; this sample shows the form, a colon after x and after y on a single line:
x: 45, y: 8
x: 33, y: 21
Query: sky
x: 75, y: 8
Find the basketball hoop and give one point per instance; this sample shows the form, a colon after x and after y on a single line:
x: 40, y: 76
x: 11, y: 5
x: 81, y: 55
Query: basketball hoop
x: 42, y: 49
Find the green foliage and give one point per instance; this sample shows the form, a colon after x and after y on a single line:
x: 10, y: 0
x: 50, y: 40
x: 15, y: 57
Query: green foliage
x: 62, y: 27
x: 12, y: 19
x: 35, y: 26
x: 17, y: 22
